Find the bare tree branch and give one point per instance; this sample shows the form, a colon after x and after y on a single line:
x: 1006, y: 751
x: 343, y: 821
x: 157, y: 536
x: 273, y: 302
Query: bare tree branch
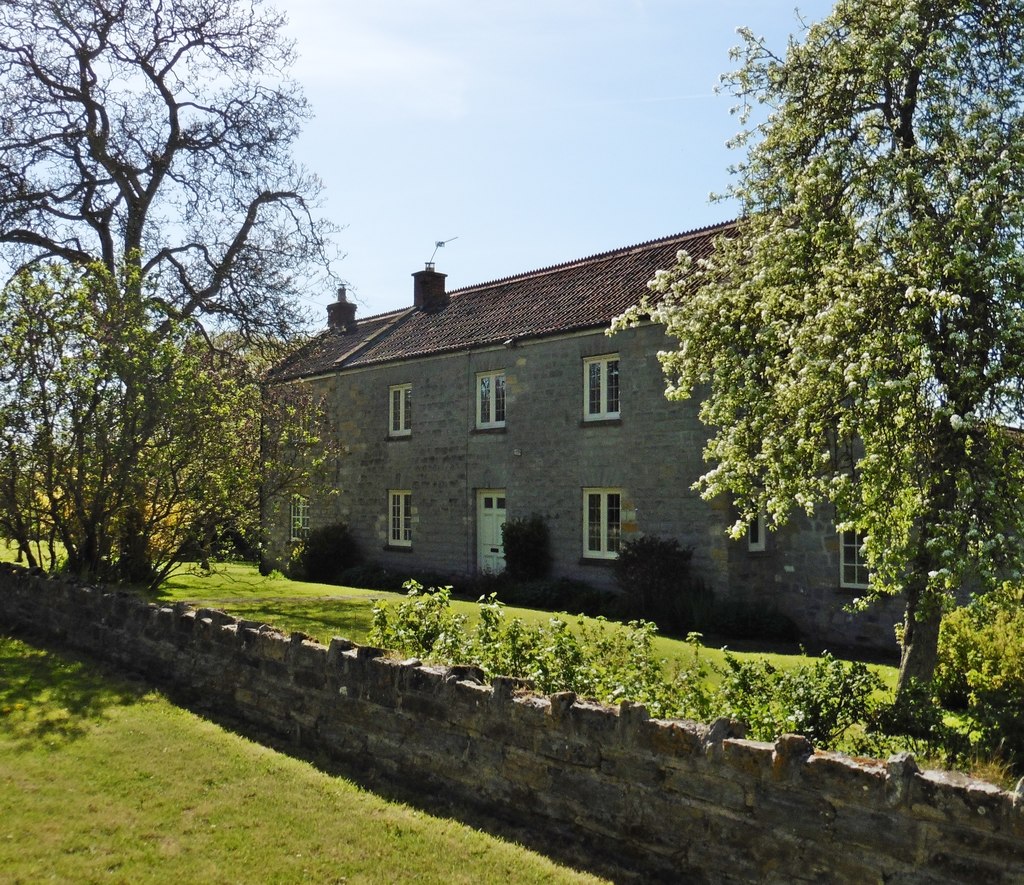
x: 160, y: 133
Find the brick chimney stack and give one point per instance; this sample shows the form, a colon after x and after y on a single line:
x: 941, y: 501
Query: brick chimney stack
x: 341, y: 314
x: 428, y: 289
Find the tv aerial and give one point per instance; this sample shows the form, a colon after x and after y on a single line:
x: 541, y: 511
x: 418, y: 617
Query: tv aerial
x: 439, y: 244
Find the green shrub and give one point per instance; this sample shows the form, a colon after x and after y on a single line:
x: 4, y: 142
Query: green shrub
x: 820, y: 700
x: 747, y: 692
x: 527, y: 548
x: 981, y: 648
x: 916, y: 723
x: 659, y: 583
x: 981, y: 671
x: 371, y: 576
x: 613, y: 662
x: 560, y: 594
x: 326, y: 554
x: 609, y: 662
x: 422, y: 625
x: 824, y: 699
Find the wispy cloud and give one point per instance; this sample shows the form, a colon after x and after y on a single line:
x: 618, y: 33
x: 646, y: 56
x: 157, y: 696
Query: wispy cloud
x: 360, y: 58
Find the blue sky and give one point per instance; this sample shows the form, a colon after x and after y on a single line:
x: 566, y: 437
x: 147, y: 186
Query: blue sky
x: 534, y: 131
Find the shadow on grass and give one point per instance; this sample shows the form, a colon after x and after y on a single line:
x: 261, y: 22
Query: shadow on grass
x: 54, y: 696
x: 220, y: 581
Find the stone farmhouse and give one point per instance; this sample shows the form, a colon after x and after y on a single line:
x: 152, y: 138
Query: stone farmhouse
x: 510, y: 398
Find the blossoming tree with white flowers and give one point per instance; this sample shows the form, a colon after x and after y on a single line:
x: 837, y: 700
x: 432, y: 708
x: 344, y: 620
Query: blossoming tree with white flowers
x: 859, y: 341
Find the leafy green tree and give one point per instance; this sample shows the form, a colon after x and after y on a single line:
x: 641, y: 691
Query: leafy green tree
x: 859, y: 340
x: 124, y: 440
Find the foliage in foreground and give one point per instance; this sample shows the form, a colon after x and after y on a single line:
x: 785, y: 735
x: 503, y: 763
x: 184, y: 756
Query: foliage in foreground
x: 859, y: 342
x: 125, y: 441
x: 981, y: 670
x: 613, y: 663
x: 939, y: 737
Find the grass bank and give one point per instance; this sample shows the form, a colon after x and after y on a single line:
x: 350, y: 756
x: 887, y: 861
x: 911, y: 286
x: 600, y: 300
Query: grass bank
x: 102, y: 779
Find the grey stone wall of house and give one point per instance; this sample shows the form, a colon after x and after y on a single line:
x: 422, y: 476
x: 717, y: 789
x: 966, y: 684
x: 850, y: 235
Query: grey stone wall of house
x: 798, y: 574
x: 656, y: 800
x: 543, y: 459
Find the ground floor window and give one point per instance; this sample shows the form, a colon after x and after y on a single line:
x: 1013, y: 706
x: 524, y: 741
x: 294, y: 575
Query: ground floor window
x: 602, y: 523
x: 853, y: 569
x: 400, y: 517
x: 298, y: 518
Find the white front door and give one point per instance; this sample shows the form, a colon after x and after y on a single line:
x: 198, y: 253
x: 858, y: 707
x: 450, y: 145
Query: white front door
x: 490, y: 510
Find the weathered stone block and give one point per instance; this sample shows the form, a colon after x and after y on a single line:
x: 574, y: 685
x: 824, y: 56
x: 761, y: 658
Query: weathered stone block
x: 703, y: 786
x: 632, y: 768
x: 871, y: 827
x: 592, y: 796
x: 675, y: 738
x: 561, y: 748
x: 844, y: 778
x: 949, y: 796
x: 748, y: 760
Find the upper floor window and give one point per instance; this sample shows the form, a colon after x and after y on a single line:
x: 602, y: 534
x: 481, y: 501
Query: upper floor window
x: 400, y: 417
x: 490, y: 399
x: 400, y: 518
x: 298, y: 518
x: 601, y: 387
x: 602, y: 523
x: 756, y: 533
x: 853, y: 569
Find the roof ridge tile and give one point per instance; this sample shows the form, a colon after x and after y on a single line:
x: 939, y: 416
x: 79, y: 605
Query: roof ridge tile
x: 597, y: 256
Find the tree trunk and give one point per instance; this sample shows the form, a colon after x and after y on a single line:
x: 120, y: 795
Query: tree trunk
x: 920, y: 641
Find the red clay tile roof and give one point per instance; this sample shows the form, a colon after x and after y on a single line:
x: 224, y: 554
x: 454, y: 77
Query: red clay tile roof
x: 577, y: 295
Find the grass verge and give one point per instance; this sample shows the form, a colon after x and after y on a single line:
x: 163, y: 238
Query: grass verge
x: 102, y: 779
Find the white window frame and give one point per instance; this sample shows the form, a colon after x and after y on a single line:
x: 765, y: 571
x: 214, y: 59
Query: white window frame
x: 399, y: 518
x: 851, y: 560
x: 609, y: 523
x: 400, y: 410
x: 490, y: 412
x: 298, y: 518
x: 596, y: 403
x: 756, y: 533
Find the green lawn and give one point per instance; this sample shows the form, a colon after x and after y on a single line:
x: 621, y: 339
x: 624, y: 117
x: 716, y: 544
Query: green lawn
x: 324, y: 611
x: 102, y: 779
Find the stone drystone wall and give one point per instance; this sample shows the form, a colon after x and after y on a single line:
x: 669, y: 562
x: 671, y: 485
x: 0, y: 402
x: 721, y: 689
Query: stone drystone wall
x: 665, y: 800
